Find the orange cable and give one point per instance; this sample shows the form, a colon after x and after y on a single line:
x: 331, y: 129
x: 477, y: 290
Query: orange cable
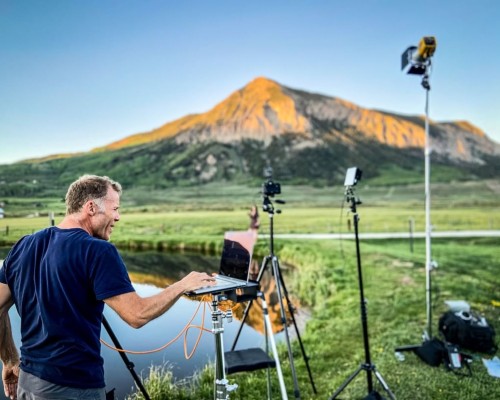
x: 201, y: 328
x: 185, y: 329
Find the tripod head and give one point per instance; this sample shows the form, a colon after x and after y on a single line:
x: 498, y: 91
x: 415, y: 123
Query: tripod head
x: 351, y: 198
x: 269, y: 189
x: 353, y: 175
x: 268, y: 206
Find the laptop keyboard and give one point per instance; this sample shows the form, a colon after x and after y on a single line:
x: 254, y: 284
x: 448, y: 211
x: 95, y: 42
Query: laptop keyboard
x: 222, y: 282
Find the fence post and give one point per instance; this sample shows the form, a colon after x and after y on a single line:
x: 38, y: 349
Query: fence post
x: 411, y: 223
x: 51, y: 218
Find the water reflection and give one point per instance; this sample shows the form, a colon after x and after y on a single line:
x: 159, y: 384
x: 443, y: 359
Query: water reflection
x: 161, y: 269
x: 151, y: 271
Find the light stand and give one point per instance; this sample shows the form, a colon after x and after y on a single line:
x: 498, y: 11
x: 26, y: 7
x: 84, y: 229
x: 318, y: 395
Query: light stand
x: 282, y: 292
x: 367, y: 365
x: 429, y: 264
x: 418, y: 61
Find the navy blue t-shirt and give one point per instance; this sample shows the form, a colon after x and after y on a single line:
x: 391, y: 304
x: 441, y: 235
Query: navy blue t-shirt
x: 58, y: 279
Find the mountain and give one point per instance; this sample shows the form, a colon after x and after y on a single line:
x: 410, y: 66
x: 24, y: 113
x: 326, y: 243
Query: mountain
x: 264, y: 109
x: 306, y: 138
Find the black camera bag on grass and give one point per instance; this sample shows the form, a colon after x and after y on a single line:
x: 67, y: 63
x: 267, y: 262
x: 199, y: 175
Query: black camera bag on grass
x: 467, y: 332
x: 432, y: 352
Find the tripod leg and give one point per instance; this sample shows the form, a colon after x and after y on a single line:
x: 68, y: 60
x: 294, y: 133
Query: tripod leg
x: 128, y: 363
x: 302, y: 348
x: 384, y: 385
x: 285, y: 327
x: 346, y: 382
x: 249, y: 305
x: 269, y: 331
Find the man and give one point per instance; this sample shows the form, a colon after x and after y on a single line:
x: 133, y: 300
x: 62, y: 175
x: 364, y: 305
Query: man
x: 59, y: 279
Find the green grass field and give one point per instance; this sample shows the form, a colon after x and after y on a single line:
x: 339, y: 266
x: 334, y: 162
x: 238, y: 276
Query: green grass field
x: 325, y: 280
x: 169, y: 229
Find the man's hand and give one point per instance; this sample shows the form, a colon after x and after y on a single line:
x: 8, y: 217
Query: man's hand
x: 10, y: 377
x: 195, y: 280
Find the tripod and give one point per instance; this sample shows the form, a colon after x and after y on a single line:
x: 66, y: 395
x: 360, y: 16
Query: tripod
x: 282, y: 291
x: 367, y: 365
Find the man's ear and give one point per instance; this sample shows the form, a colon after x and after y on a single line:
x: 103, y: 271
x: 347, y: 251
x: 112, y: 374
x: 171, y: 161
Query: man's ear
x: 90, y: 207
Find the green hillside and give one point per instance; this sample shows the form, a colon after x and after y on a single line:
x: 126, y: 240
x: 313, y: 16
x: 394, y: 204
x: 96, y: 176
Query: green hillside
x: 167, y: 164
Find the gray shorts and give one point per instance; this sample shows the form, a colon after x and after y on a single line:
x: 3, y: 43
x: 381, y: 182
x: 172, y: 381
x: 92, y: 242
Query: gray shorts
x: 31, y: 387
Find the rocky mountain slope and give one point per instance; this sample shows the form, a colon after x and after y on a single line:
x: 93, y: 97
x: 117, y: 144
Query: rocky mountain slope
x: 264, y: 109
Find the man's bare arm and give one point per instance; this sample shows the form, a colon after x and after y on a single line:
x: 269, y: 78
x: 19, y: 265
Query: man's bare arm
x: 8, y: 351
x: 138, y: 311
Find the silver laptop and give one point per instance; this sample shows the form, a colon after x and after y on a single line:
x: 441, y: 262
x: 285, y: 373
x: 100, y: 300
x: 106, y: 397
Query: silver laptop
x: 234, y: 270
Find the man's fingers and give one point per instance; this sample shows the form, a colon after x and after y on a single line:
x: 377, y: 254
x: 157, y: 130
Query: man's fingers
x: 209, y: 279
x: 10, y: 390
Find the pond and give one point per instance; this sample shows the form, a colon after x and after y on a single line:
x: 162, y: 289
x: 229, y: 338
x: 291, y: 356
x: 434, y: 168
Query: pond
x: 150, y: 272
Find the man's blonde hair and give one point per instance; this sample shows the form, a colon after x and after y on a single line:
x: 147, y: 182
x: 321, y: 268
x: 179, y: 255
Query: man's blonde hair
x: 89, y: 187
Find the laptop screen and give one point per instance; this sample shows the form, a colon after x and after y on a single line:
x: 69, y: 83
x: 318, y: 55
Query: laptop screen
x: 237, y: 254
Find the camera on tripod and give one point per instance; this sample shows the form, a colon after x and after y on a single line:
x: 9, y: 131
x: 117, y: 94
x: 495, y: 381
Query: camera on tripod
x: 270, y: 188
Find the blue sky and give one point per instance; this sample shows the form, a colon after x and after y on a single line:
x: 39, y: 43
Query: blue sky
x: 78, y: 74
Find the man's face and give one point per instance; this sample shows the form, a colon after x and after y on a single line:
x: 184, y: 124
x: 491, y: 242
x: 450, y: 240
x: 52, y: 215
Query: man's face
x: 106, y: 216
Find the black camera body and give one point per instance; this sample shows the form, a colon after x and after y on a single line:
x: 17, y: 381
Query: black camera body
x: 271, y: 188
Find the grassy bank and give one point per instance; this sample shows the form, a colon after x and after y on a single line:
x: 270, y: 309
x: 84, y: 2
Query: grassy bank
x: 326, y: 280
